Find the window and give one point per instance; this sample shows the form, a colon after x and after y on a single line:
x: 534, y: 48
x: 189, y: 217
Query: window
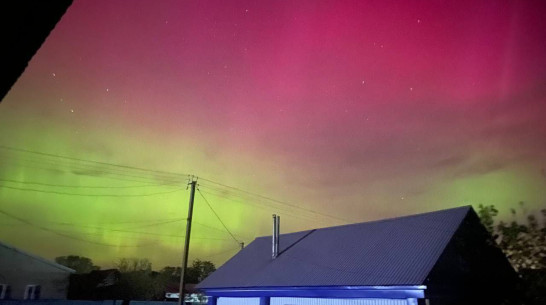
x: 4, y: 291
x: 32, y: 292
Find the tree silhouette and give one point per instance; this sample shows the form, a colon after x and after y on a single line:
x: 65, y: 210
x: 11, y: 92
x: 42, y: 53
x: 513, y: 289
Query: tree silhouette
x: 80, y: 264
x: 524, y: 244
x: 134, y: 264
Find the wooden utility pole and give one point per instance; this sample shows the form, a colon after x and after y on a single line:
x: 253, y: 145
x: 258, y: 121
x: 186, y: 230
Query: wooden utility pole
x: 186, y: 245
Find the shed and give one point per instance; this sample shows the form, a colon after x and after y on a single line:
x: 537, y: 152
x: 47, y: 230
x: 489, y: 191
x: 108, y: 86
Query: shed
x: 28, y: 276
x: 441, y: 257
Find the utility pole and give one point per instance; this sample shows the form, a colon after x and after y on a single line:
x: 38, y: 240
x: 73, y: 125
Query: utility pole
x: 186, y: 244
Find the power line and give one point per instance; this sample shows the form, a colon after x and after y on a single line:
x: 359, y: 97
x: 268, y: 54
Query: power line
x: 172, y: 177
x: 154, y: 222
x: 215, y: 214
x: 220, y: 253
x: 161, y: 223
x: 79, y: 186
x: 101, y: 228
x: 214, y: 228
x: 55, y: 168
x: 273, y: 200
x: 92, y: 170
x: 88, y: 161
x: 87, y: 195
x: 267, y: 207
x: 66, y: 235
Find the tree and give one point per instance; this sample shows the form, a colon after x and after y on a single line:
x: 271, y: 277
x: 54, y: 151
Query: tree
x: 79, y: 263
x: 138, y: 281
x: 524, y: 244
x: 134, y: 264
x: 197, y: 272
x: 170, y: 274
x: 487, y: 216
x: 202, y: 269
x: 141, y: 285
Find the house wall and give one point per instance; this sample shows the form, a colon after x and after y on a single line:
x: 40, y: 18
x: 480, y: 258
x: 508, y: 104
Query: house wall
x: 327, y: 301
x: 472, y: 270
x: 19, y: 270
x: 315, y: 301
x: 238, y: 301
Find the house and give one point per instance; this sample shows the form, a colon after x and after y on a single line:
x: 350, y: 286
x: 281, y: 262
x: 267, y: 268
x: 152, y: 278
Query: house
x: 442, y: 257
x: 27, y: 276
x: 191, y: 295
x: 95, y: 285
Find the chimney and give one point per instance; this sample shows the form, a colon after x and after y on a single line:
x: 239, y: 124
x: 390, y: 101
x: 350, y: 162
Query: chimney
x: 275, y: 237
x: 278, y: 232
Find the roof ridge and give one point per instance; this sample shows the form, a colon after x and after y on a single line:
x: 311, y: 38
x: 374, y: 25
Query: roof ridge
x: 36, y: 257
x: 467, y: 207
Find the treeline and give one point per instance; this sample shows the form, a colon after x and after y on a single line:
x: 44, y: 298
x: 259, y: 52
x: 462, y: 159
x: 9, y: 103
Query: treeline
x: 132, y: 279
x: 524, y: 244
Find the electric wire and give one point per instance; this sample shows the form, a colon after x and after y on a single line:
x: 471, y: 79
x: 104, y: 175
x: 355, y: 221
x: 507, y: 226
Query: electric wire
x: 41, y: 226
x: 87, y: 195
x: 268, y: 208
x: 77, y: 186
x: 219, y: 219
x: 155, y: 221
x: 93, y: 171
x: 67, y: 235
x: 214, y: 228
x: 220, y: 253
x: 227, y: 194
x: 274, y: 200
x: 87, y: 161
x: 170, y: 178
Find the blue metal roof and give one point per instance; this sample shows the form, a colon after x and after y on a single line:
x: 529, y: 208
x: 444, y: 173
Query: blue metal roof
x: 397, y: 251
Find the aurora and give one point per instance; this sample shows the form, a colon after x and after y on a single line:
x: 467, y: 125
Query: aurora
x: 325, y: 113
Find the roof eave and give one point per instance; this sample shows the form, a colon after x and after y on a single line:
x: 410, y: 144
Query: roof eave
x: 392, y: 292
x: 38, y: 258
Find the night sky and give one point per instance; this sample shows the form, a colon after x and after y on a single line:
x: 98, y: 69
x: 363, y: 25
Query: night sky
x: 333, y: 111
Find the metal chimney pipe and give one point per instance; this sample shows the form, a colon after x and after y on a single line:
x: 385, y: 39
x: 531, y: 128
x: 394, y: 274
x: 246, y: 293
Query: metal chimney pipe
x: 274, y: 238
x: 278, y: 230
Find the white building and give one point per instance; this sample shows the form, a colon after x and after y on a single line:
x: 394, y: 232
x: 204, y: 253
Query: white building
x: 27, y: 276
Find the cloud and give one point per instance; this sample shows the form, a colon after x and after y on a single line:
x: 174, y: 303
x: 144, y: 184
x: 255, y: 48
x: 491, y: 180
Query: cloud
x: 88, y: 172
x: 479, y: 167
x: 451, y: 161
